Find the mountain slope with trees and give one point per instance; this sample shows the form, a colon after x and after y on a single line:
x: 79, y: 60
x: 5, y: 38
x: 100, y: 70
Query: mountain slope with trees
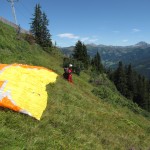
x: 84, y: 115
x: 132, y: 85
x: 138, y: 55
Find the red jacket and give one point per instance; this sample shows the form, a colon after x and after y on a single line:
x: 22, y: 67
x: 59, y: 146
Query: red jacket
x: 70, y: 75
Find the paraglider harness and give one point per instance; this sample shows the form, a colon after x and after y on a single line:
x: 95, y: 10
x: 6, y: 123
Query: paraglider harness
x: 66, y: 72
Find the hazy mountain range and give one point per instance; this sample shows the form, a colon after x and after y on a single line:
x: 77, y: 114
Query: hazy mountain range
x: 138, y: 55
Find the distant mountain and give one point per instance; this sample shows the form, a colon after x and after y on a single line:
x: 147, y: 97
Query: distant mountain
x: 138, y: 55
x: 142, y: 44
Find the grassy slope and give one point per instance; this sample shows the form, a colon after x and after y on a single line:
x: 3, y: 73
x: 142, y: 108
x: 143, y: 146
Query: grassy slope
x: 74, y: 117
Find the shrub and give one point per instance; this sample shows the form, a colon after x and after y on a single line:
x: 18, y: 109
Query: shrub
x: 30, y: 39
x: 105, y: 93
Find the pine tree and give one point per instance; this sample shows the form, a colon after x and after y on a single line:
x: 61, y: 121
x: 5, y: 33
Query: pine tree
x: 46, y: 37
x: 138, y: 98
x: 85, y: 57
x: 130, y: 82
x: 145, y: 93
x: 36, y: 24
x: 39, y: 28
x: 132, y: 85
x: 80, y: 54
x: 97, y: 64
x: 120, y: 79
x: 78, y: 51
x: 148, y: 95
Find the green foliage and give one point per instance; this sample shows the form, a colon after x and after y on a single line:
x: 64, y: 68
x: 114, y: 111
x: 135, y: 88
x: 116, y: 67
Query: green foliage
x: 97, y: 64
x: 74, y: 117
x: 130, y: 82
x: 98, y: 79
x: 106, y: 90
x: 39, y: 27
x: 132, y: 85
x: 120, y: 79
x: 106, y: 94
x: 80, y: 54
x: 46, y: 37
x: 30, y: 39
x: 36, y: 24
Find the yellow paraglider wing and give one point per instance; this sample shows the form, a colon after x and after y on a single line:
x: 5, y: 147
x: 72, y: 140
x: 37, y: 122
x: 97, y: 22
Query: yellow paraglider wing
x: 23, y: 88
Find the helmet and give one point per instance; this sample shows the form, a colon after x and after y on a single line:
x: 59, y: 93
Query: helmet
x: 70, y: 65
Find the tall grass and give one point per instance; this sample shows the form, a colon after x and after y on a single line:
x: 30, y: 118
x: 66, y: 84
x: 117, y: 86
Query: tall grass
x: 74, y: 118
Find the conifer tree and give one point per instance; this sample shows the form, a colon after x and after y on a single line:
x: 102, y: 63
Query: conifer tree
x: 130, y: 82
x: 80, y: 54
x: 85, y: 56
x: 132, y: 85
x: 36, y: 24
x: 39, y: 27
x: 78, y: 50
x: 145, y: 94
x: 97, y: 64
x: 139, y: 96
x: 46, y: 37
x: 120, y: 79
x: 148, y: 95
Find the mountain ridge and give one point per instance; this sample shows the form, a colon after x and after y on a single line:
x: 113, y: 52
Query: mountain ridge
x: 140, y: 44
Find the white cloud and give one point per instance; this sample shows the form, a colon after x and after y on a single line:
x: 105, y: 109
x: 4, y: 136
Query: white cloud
x: 75, y: 38
x: 136, y: 30
x: 93, y: 40
x: 125, y: 40
x: 68, y: 35
x: 89, y: 40
x: 84, y: 39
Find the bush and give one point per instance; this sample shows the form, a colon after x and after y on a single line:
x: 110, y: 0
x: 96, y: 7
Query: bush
x: 108, y: 95
x: 30, y: 39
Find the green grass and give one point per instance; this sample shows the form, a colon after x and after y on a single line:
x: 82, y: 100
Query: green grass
x: 75, y: 118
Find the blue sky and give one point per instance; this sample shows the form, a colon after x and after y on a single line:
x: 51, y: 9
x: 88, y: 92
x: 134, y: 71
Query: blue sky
x: 109, y: 22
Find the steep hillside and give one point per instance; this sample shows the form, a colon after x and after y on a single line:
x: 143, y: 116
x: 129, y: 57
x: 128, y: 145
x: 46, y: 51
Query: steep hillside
x: 78, y: 116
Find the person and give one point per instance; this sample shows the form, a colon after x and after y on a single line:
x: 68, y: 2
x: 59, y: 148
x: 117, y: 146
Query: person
x: 70, y: 73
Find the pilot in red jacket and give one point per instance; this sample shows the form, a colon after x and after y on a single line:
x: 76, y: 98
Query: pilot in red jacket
x: 70, y: 73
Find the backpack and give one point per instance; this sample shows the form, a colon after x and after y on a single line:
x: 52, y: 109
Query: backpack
x: 66, y: 73
x: 66, y: 70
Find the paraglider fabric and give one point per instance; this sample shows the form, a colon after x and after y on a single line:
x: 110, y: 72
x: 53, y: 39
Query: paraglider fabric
x: 23, y: 88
